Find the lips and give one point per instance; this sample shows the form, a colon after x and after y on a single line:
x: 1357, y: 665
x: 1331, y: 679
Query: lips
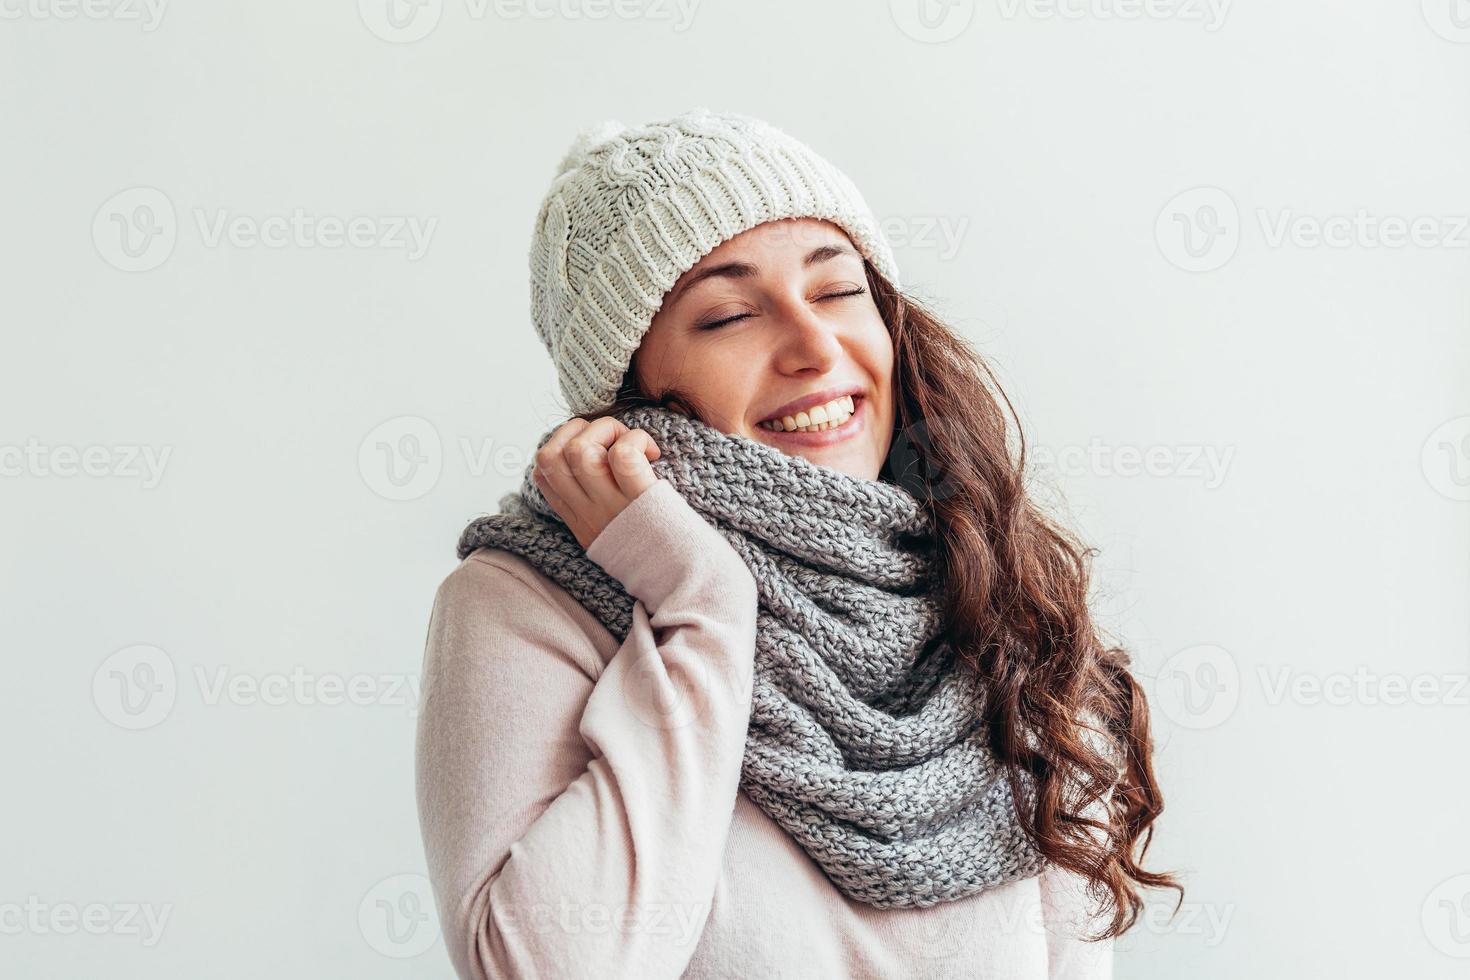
x: 813, y: 399
x: 818, y: 418
x: 802, y: 440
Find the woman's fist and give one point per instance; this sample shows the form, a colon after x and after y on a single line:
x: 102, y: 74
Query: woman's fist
x: 589, y: 471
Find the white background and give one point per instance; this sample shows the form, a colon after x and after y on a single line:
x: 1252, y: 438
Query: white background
x: 1029, y: 161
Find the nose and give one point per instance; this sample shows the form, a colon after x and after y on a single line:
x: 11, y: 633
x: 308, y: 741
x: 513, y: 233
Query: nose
x: 806, y: 341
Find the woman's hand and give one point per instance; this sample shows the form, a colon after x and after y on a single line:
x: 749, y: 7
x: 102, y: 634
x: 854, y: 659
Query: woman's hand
x: 589, y: 471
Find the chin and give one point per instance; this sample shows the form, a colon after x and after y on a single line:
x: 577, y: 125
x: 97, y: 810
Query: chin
x: 842, y: 462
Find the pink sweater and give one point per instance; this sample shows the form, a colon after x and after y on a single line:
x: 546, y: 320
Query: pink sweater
x: 579, y: 798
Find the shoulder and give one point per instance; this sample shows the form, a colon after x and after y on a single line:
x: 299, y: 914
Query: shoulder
x: 496, y: 596
x: 491, y: 571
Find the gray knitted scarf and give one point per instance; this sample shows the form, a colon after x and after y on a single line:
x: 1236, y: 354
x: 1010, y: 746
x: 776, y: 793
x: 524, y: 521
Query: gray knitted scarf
x: 864, y: 741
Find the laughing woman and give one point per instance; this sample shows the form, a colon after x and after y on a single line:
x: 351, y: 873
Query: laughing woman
x: 770, y: 667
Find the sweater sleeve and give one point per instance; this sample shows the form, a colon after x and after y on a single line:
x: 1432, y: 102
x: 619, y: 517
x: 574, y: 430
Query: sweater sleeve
x: 1069, y: 912
x: 574, y: 815
x: 1069, y: 916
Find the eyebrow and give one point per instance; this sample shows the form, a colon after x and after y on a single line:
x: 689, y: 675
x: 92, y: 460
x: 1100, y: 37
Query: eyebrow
x: 745, y: 270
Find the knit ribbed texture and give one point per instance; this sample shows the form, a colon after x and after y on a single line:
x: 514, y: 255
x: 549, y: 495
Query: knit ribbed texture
x: 633, y: 208
x: 864, y: 741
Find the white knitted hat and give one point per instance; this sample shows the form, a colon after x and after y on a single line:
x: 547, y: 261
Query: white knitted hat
x: 633, y: 208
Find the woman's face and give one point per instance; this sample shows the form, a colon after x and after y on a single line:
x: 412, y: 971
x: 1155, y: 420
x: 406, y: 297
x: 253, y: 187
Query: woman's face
x: 771, y: 324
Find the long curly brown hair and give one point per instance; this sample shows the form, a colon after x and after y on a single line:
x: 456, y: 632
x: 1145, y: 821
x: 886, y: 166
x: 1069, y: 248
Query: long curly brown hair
x: 1066, y: 719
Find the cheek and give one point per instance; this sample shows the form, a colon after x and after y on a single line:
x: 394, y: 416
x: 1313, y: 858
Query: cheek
x: 725, y: 378
x: 877, y: 353
x: 729, y: 399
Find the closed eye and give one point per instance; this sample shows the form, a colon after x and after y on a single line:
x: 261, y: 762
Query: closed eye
x: 716, y: 324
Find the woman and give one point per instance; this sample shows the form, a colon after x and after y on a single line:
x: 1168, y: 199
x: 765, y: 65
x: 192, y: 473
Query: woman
x: 770, y: 667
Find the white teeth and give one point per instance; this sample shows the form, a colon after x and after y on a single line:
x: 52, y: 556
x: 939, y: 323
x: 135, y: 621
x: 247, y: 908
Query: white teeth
x: 818, y: 419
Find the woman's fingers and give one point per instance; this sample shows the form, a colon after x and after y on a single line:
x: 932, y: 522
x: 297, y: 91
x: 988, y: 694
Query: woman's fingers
x: 557, y: 477
x: 629, y: 458
x: 552, y: 497
x: 590, y: 471
x: 586, y: 456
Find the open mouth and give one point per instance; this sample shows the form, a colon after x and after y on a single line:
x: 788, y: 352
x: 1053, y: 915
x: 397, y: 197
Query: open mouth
x: 820, y: 424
